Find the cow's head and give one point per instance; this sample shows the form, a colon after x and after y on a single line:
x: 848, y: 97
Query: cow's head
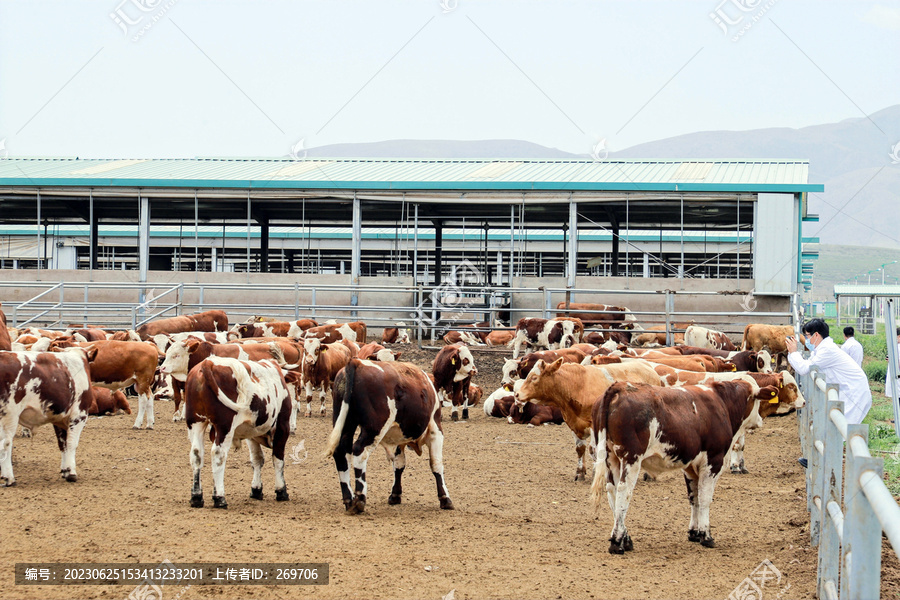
x: 462, y: 361
x: 510, y: 373
x: 763, y: 362
x: 312, y: 349
x: 789, y: 395
x: 385, y: 355
x: 540, y: 376
x: 177, y: 359
x: 769, y: 401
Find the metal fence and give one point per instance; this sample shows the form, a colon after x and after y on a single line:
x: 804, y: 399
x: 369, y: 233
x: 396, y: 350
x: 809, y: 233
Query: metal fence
x: 848, y: 502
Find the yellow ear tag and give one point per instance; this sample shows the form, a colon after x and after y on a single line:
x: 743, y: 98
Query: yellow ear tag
x: 453, y: 361
x: 773, y: 401
x: 324, y: 348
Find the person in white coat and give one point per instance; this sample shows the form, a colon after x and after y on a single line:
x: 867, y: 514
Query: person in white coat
x: 837, y: 367
x: 887, y: 376
x: 853, y: 348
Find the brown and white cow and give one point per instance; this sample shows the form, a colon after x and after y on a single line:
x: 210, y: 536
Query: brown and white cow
x: 695, y: 362
x: 499, y: 337
x: 532, y: 415
x: 744, y: 360
x: 267, y: 329
x: 514, y: 370
x: 210, y: 320
x: 661, y: 429
x: 546, y: 334
x: 395, y: 335
x: 393, y: 405
x: 771, y: 338
x: 334, y: 332
x: 116, y: 365
x: 656, y: 335
x: 5, y: 341
x: 453, y: 369
x: 240, y: 400
x: 574, y: 388
x: 108, y: 402
x: 375, y: 351
x: 321, y: 363
x: 613, y: 315
x: 702, y: 337
x: 40, y: 388
x: 299, y: 328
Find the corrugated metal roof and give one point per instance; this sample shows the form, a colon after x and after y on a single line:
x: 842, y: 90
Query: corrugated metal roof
x: 867, y: 290
x: 347, y: 173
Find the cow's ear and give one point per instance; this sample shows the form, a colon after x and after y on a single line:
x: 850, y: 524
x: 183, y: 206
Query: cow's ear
x: 323, y: 347
x: 554, y: 366
x: 91, y: 353
x: 397, y: 355
x: 770, y: 393
x: 453, y: 361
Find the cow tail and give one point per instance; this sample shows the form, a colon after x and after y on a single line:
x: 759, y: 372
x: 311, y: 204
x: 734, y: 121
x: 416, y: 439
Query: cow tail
x: 209, y: 378
x: 598, y: 440
x: 277, y: 353
x: 338, y: 430
x: 745, y: 344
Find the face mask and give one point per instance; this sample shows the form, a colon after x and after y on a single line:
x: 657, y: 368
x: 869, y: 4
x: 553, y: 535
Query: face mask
x: 809, y: 346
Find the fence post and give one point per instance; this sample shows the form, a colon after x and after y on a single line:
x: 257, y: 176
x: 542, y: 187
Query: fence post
x: 200, y: 300
x: 669, y: 308
x: 62, y: 301
x: 816, y: 465
x: 831, y: 486
x: 296, y: 301
x: 84, y: 322
x: 548, y: 299
x: 312, y: 300
x: 179, y: 300
x: 861, y: 551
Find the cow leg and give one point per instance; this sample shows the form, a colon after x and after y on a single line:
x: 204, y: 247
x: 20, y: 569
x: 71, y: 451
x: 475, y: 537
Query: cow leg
x: 178, y: 399
x: 67, y: 438
x: 196, y: 434
x: 706, y: 488
x: 620, y: 542
x: 342, y: 464
x: 436, y: 459
x: 360, y: 456
x: 8, y: 425
x: 322, y: 393
x: 737, y: 457
x: 690, y: 479
x: 139, y: 420
x: 219, y: 456
x: 257, y: 460
x: 279, y: 442
x: 580, y: 447
x: 309, y: 397
x: 397, y: 456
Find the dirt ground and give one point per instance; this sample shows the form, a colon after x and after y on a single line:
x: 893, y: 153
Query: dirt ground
x: 522, y: 527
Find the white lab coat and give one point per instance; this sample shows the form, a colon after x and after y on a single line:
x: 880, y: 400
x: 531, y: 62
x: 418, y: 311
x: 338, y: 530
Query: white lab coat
x: 839, y: 368
x: 854, y: 349
x: 887, y: 376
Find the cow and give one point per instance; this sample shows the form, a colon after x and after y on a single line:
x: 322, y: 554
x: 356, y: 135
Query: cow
x: 499, y: 403
x: 659, y: 429
x: 321, y: 363
x: 476, y: 393
x: 499, y: 337
x: 771, y: 338
x: 334, y: 332
x: 621, y: 335
x: 116, y: 365
x: 300, y: 327
x: 453, y: 369
x: 40, y: 388
x: 612, y: 316
x: 395, y: 335
x: 469, y: 338
x: 702, y: 337
x: 600, y: 359
x: 534, y: 414
x: 574, y: 388
x: 108, y: 401
x: 5, y: 341
x: 211, y: 320
x: 264, y: 329
x: 164, y: 340
x: 697, y: 362
x: 519, y: 369
x: 657, y: 335
x: 91, y: 334
x: 240, y: 400
x: 393, y: 405
x: 744, y: 360
x: 546, y: 334
x: 375, y: 351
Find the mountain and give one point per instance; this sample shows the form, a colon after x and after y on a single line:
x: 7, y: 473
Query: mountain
x: 442, y: 149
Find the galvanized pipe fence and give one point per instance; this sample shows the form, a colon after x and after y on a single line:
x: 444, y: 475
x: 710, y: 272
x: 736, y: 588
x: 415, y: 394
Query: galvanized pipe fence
x: 429, y: 310
x: 848, y: 501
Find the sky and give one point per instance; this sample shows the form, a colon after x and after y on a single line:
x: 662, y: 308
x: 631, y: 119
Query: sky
x: 181, y: 78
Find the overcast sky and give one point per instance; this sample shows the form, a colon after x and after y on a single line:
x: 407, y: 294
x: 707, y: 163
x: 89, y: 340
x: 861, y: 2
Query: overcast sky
x: 180, y: 78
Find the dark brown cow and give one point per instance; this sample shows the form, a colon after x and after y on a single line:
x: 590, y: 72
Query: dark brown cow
x: 660, y: 429
x: 321, y: 363
x: 41, y: 388
x: 601, y: 337
x: 393, y: 405
x: 498, y: 406
x: 116, y: 365
x: 453, y: 369
x: 89, y: 335
x: 210, y: 320
x: 241, y: 400
x: 534, y: 414
x: 108, y: 402
x: 613, y: 315
x: 375, y: 351
x: 334, y: 332
x: 395, y: 335
x: 5, y: 342
x: 546, y: 334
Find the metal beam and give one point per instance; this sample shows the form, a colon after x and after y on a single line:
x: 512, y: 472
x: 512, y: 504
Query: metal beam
x: 94, y: 243
x: 144, y: 240
x: 356, y: 252
x: 573, y: 242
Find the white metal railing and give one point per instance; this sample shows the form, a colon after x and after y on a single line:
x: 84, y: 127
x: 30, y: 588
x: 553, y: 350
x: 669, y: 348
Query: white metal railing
x: 848, y: 501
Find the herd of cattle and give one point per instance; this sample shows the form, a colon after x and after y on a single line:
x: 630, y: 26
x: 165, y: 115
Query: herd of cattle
x: 631, y: 403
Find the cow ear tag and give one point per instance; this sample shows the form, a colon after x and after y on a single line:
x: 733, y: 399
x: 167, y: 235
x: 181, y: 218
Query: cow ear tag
x: 453, y: 361
x: 774, y: 399
x: 324, y: 348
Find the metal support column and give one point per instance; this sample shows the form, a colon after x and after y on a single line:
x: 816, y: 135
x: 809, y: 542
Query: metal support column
x: 415, y: 268
x: 196, y: 239
x: 356, y: 253
x: 264, y: 246
x: 573, y: 242
x: 144, y: 241
x: 248, y: 236
x: 94, y: 235
x: 438, y: 250
x: 39, y: 235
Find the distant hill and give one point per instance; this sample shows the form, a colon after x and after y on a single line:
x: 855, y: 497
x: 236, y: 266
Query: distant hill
x: 839, y: 264
x: 852, y: 158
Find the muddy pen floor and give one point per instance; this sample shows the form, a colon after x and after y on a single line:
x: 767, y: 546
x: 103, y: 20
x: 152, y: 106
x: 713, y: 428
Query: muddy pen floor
x: 521, y: 528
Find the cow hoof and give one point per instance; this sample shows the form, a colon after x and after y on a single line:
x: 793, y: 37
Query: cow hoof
x: 135, y: 427
x: 394, y: 499
x: 9, y: 484
x: 219, y: 502
x: 347, y: 504
x: 357, y: 506
x: 446, y: 503
x: 694, y: 536
x: 744, y: 471
x: 196, y: 500
x: 579, y: 476
x: 308, y: 415
x: 71, y: 477
x: 282, y: 495
x: 256, y: 493
x: 149, y: 427
x: 708, y: 542
x: 616, y: 547
x: 465, y: 414
x: 627, y: 543
x: 647, y: 477
x: 454, y: 417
